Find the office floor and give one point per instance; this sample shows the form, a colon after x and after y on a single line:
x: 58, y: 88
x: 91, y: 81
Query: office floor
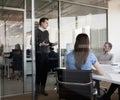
x: 15, y: 87
x: 107, y: 85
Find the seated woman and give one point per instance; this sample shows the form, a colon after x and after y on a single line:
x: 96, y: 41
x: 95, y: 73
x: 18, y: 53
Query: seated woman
x: 81, y: 58
x: 16, y: 56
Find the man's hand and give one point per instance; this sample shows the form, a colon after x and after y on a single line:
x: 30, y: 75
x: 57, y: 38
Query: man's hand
x: 43, y: 44
x: 55, y: 43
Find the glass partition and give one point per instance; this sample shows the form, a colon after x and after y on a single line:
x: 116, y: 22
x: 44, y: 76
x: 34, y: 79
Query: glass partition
x: 66, y: 20
x: 76, y: 18
x: 15, y: 34
x: 12, y: 35
x: 49, y: 9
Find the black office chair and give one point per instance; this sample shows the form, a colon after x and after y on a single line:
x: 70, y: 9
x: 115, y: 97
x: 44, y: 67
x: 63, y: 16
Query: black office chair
x: 75, y: 84
x: 53, y: 60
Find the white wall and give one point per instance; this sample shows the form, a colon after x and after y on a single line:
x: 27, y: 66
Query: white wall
x: 114, y: 27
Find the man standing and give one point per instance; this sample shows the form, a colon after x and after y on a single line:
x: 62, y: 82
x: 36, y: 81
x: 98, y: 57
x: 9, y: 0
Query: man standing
x: 42, y: 44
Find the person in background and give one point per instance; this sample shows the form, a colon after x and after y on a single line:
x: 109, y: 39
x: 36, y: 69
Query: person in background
x: 42, y: 44
x: 1, y: 49
x: 17, y: 58
x: 2, y: 60
x: 81, y: 58
x: 106, y: 57
x: 17, y: 61
x: 1, y: 56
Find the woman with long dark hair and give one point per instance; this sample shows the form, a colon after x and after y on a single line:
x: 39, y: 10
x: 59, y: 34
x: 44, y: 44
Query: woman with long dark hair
x: 81, y: 58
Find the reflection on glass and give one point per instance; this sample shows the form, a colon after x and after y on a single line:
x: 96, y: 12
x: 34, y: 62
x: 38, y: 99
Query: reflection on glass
x: 11, y: 29
x: 84, y: 19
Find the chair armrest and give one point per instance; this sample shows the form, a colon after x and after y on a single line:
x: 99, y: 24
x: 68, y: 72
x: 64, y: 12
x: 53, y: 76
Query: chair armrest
x: 71, y: 83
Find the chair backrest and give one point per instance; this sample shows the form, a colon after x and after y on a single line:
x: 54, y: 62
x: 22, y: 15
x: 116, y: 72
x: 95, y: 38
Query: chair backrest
x: 75, y: 81
x: 53, y: 60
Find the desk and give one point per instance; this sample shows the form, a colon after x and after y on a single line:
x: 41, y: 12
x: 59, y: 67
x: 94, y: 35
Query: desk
x: 112, y: 75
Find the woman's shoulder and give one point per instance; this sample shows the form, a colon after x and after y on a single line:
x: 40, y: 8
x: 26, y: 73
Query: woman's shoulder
x: 91, y: 53
x: 70, y: 53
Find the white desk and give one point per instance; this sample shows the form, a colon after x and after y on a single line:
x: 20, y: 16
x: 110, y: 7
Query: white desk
x: 112, y: 75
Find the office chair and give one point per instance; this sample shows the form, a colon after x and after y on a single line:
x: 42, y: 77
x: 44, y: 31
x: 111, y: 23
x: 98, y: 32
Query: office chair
x: 53, y: 60
x: 75, y: 84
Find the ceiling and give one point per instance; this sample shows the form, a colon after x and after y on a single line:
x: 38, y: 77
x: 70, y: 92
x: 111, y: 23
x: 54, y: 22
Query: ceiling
x: 45, y: 8
x: 49, y: 7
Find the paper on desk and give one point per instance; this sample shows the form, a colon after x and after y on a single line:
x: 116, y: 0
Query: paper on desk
x: 116, y: 68
x: 107, y: 75
x: 108, y: 69
x: 113, y: 73
x: 115, y: 77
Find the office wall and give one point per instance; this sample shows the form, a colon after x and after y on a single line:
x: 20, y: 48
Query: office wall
x: 114, y: 27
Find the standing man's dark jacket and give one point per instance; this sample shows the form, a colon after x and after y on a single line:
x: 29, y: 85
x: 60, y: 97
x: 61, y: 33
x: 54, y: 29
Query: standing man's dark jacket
x: 41, y: 36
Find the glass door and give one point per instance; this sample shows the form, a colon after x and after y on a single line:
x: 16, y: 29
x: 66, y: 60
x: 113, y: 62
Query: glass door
x: 80, y: 18
x: 15, y: 34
